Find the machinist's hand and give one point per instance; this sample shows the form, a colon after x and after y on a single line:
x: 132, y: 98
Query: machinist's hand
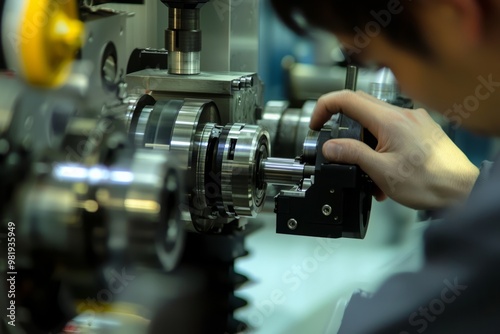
x: 415, y: 163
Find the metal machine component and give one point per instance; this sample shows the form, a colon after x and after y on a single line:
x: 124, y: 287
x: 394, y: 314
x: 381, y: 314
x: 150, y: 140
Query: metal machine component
x: 351, y: 81
x: 81, y: 216
x: 386, y: 88
x: 288, y: 127
x: 104, y: 49
x: 126, y: 213
x: 141, y: 59
x: 226, y: 24
x: 285, y: 172
x: 338, y: 197
x: 237, y: 95
x: 222, y: 162
x: 85, y: 198
x: 82, y: 200
x: 230, y: 167
x: 183, y: 37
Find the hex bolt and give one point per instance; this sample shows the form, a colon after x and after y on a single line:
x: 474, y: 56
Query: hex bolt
x: 327, y: 210
x: 292, y: 224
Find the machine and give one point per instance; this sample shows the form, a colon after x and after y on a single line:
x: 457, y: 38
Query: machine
x: 145, y: 179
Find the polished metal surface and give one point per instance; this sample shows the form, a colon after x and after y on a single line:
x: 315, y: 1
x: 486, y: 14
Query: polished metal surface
x: 207, y: 82
x: 183, y: 41
x: 384, y: 86
x: 128, y: 212
x: 190, y: 122
x: 222, y: 163
x: 311, y: 146
x: 239, y: 105
x: 184, y: 63
x: 292, y: 224
x: 141, y: 125
x: 202, y: 192
x: 184, y: 128
x: 105, y: 49
x: 271, y: 117
x: 155, y: 231
x: 310, y: 82
x: 242, y: 190
x: 351, y: 81
x: 278, y: 171
x: 303, y: 126
x: 288, y: 126
x: 230, y: 35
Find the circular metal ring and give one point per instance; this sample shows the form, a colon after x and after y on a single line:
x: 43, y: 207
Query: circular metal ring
x: 200, y: 201
x: 192, y: 118
x: 246, y: 146
x: 152, y: 203
x: 271, y: 117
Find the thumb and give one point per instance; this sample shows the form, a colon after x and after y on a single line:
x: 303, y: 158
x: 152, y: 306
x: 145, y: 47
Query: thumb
x: 355, y: 152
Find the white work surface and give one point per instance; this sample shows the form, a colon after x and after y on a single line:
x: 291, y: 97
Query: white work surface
x: 302, y: 284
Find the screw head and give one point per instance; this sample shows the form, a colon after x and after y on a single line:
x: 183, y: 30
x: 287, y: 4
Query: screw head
x: 292, y: 224
x: 327, y: 210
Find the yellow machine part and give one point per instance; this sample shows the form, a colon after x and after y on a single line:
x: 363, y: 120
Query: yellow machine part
x: 51, y: 34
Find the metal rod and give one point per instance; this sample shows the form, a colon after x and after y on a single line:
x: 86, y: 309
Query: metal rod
x: 351, y: 81
x: 286, y: 172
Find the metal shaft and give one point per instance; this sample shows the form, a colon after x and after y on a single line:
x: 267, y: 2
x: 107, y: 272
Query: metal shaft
x: 286, y: 172
x: 183, y: 39
x: 351, y: 81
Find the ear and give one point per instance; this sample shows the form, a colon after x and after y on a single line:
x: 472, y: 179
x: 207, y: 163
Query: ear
x: 456, y: 25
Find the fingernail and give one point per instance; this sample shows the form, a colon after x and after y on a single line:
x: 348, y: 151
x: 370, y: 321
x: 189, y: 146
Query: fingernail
x: 331, y: 151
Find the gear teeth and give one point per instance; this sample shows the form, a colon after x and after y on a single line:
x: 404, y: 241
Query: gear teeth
x: 236, y: 327
x: 239, y: 280
x: 236, y: 303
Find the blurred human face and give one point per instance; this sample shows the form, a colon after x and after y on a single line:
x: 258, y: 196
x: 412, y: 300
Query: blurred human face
x: 461, y: 78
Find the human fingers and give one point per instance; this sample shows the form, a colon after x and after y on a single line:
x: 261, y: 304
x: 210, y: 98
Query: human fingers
x: 356, y: 106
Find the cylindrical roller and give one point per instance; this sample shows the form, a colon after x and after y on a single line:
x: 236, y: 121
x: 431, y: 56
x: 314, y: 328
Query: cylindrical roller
x: 127, y: 213
x: 351, y: 81
x: 222, y: 162
x: 183, y: 41
x: 288, y: 127
x: 310, y: 150
x: 243, y: 192
x: 286, y: 172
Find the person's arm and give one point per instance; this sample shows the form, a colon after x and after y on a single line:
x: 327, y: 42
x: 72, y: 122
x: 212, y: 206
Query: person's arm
x: 456, y: 291
x: 415, y: 163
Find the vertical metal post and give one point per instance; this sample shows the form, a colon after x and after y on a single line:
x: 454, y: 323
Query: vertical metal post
x: 351, y: 81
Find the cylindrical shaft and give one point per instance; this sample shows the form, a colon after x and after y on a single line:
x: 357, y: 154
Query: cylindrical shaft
x: 286, y: 172
x: 183, y: 41
x: 351, y: 81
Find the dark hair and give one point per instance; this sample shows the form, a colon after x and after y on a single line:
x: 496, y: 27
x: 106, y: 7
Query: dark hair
x: 395, y: 18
